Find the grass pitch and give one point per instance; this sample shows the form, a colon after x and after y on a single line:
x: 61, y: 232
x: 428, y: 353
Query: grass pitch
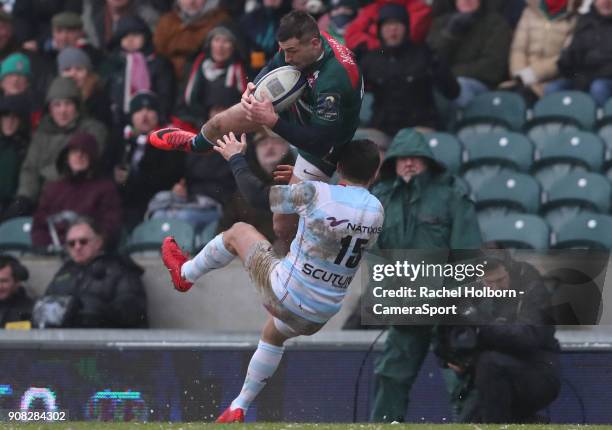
x: 292, y: 426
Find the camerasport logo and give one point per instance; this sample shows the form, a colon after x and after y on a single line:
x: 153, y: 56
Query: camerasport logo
x: 334, y: 222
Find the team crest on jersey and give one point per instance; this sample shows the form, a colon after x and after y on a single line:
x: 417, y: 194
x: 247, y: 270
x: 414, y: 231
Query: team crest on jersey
x: 328, y: 107
x: 312, y: 79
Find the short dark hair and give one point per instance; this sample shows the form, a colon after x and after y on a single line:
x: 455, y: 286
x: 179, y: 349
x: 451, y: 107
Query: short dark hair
x: 297, y: 24
x: 18, y: 271
x: 359, y: 161
x: 87, y: 220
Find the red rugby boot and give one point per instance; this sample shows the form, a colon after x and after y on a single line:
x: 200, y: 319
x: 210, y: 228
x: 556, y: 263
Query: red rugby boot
x: 172, y: 139
x: 231, y: 416
x: 174, y: 259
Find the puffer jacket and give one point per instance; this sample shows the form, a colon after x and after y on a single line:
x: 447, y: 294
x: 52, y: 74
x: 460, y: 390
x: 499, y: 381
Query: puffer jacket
x: 108, y: 291
x: 538, y: 41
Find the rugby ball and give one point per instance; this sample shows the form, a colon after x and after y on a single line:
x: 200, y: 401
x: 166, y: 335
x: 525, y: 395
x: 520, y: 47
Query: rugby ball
x: 283, y: 86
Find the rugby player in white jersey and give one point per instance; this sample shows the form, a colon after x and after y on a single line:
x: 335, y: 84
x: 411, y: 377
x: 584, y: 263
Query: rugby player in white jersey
x: 303, y: 290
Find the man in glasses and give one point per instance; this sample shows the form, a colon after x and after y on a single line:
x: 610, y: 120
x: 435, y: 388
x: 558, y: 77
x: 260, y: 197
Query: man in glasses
x: 105, y: 290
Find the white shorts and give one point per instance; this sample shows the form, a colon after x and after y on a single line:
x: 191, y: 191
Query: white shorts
x: 261, y: 264
x: 306, y: 171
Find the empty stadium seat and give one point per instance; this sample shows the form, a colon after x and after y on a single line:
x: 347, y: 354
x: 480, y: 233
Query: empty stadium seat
x: 521, y: 231
x: 468, y: 131
x: 508, y: 149
x: 446, y: 149
x: 501, y: 108
x: 206, y: 235
x: 149, y: 235
x: 541, y: 132
x: 585, y: 231
x: 568, y: 152
x: 573, y: 107
x: 15, y: 235
x: 511, y: 191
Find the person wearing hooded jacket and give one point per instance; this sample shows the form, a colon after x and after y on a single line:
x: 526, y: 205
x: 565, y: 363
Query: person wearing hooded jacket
x: 586, y: 64
x: 424, y: 209
x: 402, y: 76
x: 362, y: 33
x: 475, y: 41
x: 133, y: 66
x: 81, y: 190
x: 64, y: 119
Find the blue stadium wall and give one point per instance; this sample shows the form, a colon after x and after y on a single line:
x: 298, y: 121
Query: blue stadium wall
x: 196, y: 384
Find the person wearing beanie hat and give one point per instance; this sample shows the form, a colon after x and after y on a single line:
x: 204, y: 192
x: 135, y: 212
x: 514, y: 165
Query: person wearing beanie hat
x: 74, y: 63
x: 362, y: 33
x: 440, y: 216
x: 402, y: 76
x: 15, y: 74
x: 133, y: 67
x: 140, y: 170
x: 81, y: 189
x: 62, y: 120
x: 218, y: 66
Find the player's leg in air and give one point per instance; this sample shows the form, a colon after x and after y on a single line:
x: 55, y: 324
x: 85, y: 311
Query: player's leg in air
x: 244, y: 241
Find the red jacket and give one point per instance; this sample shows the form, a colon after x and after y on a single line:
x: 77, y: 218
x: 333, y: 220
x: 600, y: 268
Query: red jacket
x: 364, y: 28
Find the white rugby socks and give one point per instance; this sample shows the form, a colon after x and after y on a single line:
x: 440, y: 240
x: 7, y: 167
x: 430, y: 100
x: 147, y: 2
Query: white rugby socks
x: 213, y: 256
x: 262, y: 366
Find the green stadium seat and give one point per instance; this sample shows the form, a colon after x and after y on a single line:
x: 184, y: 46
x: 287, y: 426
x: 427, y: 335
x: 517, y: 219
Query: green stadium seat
x: 149, y: 235
x: 508, y: 149
x: 467, y: 132
x: 590, y: 231
x: 576, y: 194
x: 206, y: 235
x: 495, y: 108
x: 478, y: 176
x: 523, y: 231
x: 511, y: 192
x: 446, y: 149
x: 366, y: 112
x: 569, y: 152
x: 573, y: 107
x: 539, y: 133
x: 585, y: 189
x: 15, y: 235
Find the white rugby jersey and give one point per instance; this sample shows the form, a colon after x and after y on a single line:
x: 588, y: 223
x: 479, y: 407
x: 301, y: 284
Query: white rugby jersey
x: 337, y: 224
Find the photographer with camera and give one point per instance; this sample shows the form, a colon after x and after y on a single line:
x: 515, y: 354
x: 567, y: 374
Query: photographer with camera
x: 513, y: 361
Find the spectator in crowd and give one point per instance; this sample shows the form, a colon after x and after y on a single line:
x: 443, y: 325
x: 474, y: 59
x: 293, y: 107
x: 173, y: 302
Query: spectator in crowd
x: 133, y: 67
x: 7, y: 39
x: 74, y: 63
x: 32, y: 19
x: 264, y: 155
x: 542, y: 32
x: 207, y: 183
x: 67, y: 30
x: 63, y: 119
x: 586, y: 64
x: 218, y: 65
x: 402, y: 76
x: 15, y: 74
x: 106, y: 290
x: 15, y: 305
x: 424, y: 209
x: 259, y: 29
x: 142, y: 170
x: 513, y: 361
x: 101, y: 18
x: 181, y: 32
x: 14, y: 141
x: 362, y: 33
x: 475, y: 42
x: 81, y: 191
x: 338, y: 18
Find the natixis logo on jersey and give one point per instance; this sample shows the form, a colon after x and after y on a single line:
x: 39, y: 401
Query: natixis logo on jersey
x: 334, y: 222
